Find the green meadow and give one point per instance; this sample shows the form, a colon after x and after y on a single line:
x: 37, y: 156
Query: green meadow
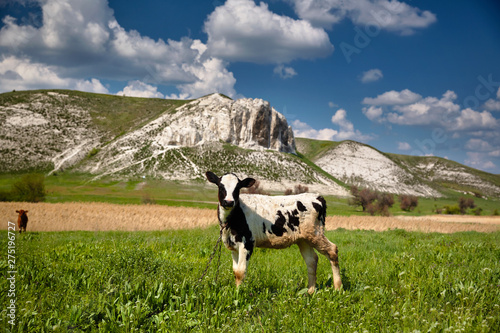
x: 74, y: 187
x: 393, y: 281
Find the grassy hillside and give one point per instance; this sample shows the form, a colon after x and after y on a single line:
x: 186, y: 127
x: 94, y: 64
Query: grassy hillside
x: 111, y: 114
x: 448, y: 177
x: 393, y: 281
x: 415, y: 161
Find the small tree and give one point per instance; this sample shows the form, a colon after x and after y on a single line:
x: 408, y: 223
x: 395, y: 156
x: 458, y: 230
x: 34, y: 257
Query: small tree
x: 255, y: 189
x: 408, y: 202
x: 298, y: 189
x: 465, y: 203
x: 363, y: 198
x: 29, y: 188
x: 384, y: 202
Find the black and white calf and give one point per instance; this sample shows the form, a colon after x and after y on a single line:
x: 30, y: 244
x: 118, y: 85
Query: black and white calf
x: 277, y: 222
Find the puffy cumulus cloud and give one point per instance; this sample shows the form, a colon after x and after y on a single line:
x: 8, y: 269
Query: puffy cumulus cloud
x: 478, y: 145
x: 212, y: 76
x: 22, y: 74
x: 373, y: 112
x: 140, y: 89
x: 345, y: 129
x: 82, y: 38
x: 479, y: 161
x: 393, y: 98
x: 394, y: 16
x: 404, y: 146
x: 493, y: 105
x: 284, y: 72
x: 371, y: 75
x: 303, y: 130
x: 240, y: 30
x: 469, y: 119
x: 408, y: 108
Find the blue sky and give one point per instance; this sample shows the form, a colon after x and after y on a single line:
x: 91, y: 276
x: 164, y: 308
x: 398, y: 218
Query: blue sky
x: 407, y: 77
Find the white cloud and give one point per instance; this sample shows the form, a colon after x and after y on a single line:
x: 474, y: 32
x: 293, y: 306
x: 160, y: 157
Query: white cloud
x: 394, y: 16
x: 284, y: 72
x: 332, y: 105
x: 493, y: 105
x: 340, y: 118
x: 479, y: 161
x: 373, y: 112
x: 470, y: 119
x: 478, y: 145
x: 303, y: 130
x: 22, y: 74
x: 345, y: 131
x: 404, y: 146
x: 79, y: 39
x: 211, y: 77
x: 240, y: 30
x: 140, y: 89
x: 409, y: 108
x: 371, y: 75
x: 393, y: 98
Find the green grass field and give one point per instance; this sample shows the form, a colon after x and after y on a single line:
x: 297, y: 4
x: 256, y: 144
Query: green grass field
x: 70, y: 187
x: 394, y: 281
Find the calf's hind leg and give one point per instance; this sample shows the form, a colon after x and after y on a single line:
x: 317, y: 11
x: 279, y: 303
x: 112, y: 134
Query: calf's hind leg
x: 311, y: 259
x: 330, y: 250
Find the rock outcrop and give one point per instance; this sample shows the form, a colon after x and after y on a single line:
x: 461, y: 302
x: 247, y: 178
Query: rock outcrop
x: 248, y: 123
x: 357, y: 164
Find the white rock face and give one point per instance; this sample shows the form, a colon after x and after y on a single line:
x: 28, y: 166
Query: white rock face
x: 248, y: 123
x: 437, y: 171
x: 357, y: 164
x: 44, y: 132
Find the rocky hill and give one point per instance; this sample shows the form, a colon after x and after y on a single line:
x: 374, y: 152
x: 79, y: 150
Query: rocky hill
x: 358, y: 164
x: 126, y: 137
x: 132, y: 137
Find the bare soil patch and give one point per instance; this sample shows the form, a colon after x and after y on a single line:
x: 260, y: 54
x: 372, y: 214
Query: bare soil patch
x: 107, y: 217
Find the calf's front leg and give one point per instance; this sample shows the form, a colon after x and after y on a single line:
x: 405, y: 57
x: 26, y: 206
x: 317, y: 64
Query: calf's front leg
x: 240, y: 261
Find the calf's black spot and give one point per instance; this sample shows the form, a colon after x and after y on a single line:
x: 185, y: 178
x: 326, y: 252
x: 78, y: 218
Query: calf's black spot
x: 321, y: 209
x: 278, y: 228
x: 301, y: 206
x: 293, y: 219
x: 237, y: 224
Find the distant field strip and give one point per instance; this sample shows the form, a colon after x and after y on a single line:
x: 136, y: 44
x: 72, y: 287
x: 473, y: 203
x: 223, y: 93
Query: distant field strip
x: 428, y: 223
x: 107, y: 217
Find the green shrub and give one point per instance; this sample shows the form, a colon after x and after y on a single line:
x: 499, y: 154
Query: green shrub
x: 93, y: 152
x: 29, y: 188
x: 408, y: 202
x: 453, y: 210
x: 465, y: 203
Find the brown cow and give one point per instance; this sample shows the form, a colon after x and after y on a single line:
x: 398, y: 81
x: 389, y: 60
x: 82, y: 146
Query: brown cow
x: 22, y: 220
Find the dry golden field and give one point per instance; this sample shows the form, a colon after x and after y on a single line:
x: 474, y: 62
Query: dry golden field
x: 105, y: 217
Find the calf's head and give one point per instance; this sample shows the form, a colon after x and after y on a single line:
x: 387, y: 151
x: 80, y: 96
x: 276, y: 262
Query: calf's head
x: 229, y: 187
x: 21, y: 212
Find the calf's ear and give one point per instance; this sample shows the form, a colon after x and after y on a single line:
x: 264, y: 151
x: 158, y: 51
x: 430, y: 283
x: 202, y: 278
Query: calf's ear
x: 25, y: 211
x: 212, y: 177
x: 17, y: 211
x: 247, y: 182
